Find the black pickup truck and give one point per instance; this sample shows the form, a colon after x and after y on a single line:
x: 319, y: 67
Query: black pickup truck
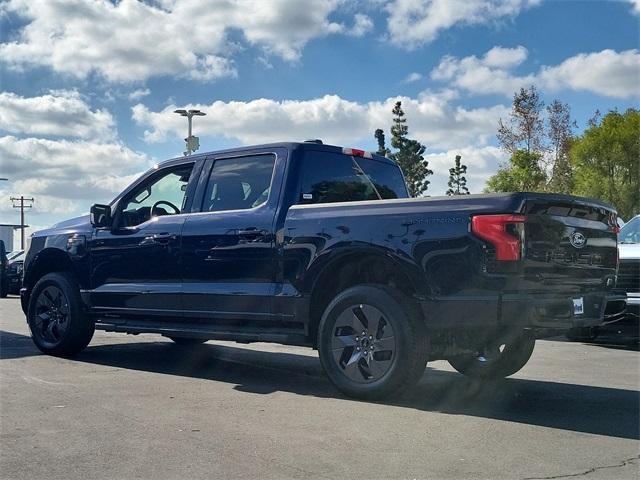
x: 317, y: 245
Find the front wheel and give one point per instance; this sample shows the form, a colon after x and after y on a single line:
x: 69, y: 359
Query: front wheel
x: 498, y: 358
x: 370, y: 344
x: 56, y: 318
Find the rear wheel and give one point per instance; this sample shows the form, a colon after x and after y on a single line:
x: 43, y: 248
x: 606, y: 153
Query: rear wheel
x: 187, y: 341
x: 498, y: 358
x: 56, y: 318
x: 370, y: 345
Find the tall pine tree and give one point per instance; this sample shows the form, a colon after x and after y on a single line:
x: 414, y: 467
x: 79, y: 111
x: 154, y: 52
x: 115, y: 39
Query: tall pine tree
x: 382, y: 148
x: 457, y: 180
x: 409, y: 155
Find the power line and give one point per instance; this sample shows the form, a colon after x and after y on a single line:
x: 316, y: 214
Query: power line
x: 22, y: 205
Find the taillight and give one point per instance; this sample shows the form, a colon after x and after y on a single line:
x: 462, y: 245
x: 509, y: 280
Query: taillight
x: 504, y: 232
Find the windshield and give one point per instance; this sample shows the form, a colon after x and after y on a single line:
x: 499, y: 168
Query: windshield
x: 630, y: 233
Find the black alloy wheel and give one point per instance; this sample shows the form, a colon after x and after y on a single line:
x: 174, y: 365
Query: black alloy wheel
x: 56, y: 316
x: 371, y: 345
x: 51, y: 316
x: 364, y: 343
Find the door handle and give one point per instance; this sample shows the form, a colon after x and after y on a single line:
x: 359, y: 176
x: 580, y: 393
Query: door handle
x: 158, y: 239
x: 251, y: 232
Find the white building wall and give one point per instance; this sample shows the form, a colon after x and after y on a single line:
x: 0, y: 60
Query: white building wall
x: 6, y: 235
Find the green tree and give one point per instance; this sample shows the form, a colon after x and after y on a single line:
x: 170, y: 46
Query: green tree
x: 457, y: 179
x: 382, y: 148
x: 522, y: 136
x: 606, y: 161
x: 559, y: 129
x: 523, y: 174
x: 409, y: 155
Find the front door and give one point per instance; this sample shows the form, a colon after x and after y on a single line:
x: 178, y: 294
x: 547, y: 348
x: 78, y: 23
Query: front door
x: 229, y: 263
x: 135, y: 264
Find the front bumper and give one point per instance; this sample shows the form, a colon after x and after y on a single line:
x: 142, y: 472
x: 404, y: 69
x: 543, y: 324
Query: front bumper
x: 539, y: 311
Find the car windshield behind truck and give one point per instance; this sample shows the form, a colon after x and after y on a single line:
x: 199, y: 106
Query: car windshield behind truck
x: 334, y: 177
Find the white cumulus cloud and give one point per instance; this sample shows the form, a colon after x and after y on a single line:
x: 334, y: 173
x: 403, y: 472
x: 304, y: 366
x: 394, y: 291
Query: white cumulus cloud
x: 608, y: 73
x: 131, y: 40
x: 413, y: 77
x: 412, y: 23
x: 139, y: 93
x: 59, y: 113
x: 432, y: 119
x: 67, y: 176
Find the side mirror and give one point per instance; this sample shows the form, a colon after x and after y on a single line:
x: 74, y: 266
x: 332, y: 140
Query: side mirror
x: 100, y: 215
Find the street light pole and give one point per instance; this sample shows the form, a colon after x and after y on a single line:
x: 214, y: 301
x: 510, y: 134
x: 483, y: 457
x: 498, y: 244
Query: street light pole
x: 192, y: 143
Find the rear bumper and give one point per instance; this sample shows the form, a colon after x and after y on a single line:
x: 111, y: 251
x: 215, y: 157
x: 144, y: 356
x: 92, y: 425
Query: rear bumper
x: 540, y: 311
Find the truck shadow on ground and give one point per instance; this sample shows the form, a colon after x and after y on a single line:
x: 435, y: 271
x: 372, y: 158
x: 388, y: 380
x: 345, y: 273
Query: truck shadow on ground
x: 596, y: 410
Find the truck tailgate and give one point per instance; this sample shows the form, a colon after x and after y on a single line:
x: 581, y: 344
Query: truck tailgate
x: 570, y: 244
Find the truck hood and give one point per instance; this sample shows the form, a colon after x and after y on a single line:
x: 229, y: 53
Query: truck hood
x: 629, y: 251
x: 73, y: 225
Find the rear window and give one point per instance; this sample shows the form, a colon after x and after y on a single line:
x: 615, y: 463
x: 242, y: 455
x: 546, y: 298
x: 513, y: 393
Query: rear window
x: 333, y: 177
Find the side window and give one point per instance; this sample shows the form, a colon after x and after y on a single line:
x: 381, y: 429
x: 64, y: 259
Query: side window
x: 239, y: 183
x: 163, y: 194
x: 334, y: 177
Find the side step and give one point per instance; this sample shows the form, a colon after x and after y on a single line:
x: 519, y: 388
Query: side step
x: 199, y: 330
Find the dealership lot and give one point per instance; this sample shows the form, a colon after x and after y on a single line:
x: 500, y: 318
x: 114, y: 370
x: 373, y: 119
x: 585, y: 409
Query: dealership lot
x: 142, y: 407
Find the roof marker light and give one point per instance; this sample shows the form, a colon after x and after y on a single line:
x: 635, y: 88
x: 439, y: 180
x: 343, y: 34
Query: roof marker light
x: 356, y: 152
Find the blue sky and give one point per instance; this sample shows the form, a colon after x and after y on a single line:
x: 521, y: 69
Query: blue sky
x: 87, y: 87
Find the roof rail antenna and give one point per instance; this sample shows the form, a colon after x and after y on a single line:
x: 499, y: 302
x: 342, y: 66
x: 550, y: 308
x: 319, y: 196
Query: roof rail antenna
x: 314, y: 140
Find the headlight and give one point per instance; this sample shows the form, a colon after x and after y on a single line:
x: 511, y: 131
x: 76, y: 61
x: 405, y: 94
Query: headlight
x: 19, y: 268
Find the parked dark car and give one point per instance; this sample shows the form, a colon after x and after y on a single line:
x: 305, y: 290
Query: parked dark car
x: 316, y: 245
x: 4, y: 281
x: 15, y: 265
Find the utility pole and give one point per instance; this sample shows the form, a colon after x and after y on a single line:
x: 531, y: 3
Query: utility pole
x: 22, y: 205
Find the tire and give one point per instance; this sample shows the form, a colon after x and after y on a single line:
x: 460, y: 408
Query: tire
x: 56, y: 317
x: 187, y: 341
x: 587, y: 334
x: 394, y: 342
x: 516, y: 352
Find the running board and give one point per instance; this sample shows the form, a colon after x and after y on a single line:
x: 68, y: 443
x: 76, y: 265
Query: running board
x: 198, y: 330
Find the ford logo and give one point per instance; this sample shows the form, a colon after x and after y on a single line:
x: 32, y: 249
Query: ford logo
x: 577, y: 239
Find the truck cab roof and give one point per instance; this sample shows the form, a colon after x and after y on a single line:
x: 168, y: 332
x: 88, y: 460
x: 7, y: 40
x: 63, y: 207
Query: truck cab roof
x: 308, y: 145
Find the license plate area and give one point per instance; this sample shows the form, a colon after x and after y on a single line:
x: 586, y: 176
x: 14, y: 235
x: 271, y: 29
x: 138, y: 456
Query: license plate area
x: 578, y: 306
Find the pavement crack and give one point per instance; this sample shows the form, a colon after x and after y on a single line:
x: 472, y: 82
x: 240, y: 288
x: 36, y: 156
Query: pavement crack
x: 624, y: 463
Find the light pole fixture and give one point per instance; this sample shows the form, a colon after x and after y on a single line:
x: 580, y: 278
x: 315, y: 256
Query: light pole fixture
x: 192, y: 143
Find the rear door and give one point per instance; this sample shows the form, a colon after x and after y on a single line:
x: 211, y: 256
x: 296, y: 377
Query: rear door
x: 229, y: 263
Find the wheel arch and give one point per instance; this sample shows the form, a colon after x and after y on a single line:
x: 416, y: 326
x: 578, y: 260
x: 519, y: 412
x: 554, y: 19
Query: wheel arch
x: 47, y: 261
x: 363, y: 266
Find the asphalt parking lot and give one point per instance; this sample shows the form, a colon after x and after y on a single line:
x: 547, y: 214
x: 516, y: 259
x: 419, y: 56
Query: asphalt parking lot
x: 142, y: 407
